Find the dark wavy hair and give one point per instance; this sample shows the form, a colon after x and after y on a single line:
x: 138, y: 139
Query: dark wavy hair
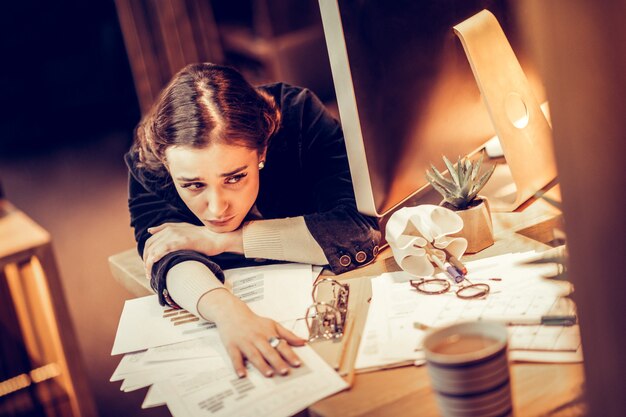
x: 203, y: 104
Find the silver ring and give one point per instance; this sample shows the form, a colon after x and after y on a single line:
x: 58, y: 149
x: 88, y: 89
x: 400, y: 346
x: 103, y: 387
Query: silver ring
x: 274, y: 341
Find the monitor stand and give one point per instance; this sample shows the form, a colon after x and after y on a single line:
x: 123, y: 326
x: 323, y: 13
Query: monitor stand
x: 524, y: 132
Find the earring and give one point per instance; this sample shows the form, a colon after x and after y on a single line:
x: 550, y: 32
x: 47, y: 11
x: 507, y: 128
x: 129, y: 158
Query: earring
x: 261, y: 165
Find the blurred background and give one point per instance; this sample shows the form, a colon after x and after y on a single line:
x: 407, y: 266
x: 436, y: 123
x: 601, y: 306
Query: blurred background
x: 76, y: 77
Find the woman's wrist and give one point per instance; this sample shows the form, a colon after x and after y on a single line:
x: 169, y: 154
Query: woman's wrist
x: 234, y: 241
x: 218, y: 304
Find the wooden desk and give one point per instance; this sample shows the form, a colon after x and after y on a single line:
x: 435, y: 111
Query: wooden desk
x: 538, y: 389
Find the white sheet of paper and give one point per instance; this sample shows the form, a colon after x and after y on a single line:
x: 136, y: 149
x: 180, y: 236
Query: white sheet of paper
x: 132, y: 362
x: 537, y: 356
x: 297, y: 327
x: 154, y: 398
x: 221, y: 393
x: 144, y: 324
x: 522, y: 295
x: 281, y: 292
x: 158, y: 371
x: 205, y: 347
x: 391, y: 339
x: 316, y: 270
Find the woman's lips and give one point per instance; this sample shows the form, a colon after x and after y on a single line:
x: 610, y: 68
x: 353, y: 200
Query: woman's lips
x: 220, y: 222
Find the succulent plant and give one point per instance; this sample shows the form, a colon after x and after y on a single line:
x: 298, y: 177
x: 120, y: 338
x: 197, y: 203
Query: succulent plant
x: 465, y: 181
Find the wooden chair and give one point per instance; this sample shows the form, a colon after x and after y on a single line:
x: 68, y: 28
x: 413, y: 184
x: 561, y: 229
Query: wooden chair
x: 31, y: 287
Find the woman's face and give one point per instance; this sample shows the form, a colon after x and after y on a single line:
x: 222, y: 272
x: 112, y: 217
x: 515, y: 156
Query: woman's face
x: 218, y: 183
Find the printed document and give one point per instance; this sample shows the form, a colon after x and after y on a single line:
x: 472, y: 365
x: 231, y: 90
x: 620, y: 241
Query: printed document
x: 218, y: 392
x: 399, y: 315
x: 185, y: 365
x: 281, y: 292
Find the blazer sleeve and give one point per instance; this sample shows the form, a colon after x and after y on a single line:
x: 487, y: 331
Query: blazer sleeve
x: 152, y: 203
x: 348, y: 238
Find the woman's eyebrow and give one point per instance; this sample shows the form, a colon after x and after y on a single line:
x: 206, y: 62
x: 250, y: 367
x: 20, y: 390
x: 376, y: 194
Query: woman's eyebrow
x: 185, y: 179
x: 234, y: 171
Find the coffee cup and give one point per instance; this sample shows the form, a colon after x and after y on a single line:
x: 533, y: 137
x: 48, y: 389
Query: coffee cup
x: 468, y: 368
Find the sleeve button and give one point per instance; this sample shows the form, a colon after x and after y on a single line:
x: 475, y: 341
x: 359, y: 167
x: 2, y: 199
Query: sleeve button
x: 360, y: 257
x: 345, y: 260
x: 375, y: 250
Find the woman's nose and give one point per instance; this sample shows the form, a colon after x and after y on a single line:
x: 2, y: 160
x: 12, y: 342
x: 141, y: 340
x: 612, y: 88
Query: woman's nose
x: 217, y: 205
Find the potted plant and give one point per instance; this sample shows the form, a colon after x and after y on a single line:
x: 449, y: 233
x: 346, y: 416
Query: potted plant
x: 460, y: 193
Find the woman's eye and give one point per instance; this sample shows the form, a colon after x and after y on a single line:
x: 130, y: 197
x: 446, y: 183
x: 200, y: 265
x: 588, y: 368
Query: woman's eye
x: 235, y: 178
x: 193, y: 186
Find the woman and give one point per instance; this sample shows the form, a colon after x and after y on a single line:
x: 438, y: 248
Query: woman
x: 223, y: 174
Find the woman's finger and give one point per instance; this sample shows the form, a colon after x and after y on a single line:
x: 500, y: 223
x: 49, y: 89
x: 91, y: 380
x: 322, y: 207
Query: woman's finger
x: 146, y: 247
x: 157, y: 229
x: 159, y: 235
x: 285, y: 348
x: 147, y: 256
x: 159, y: 245
x: 158, y: 248
x: 288, y: 354
x: 273, y: 356
x: 258, y: 361
x: 237, y: 360
x: 160, y: 252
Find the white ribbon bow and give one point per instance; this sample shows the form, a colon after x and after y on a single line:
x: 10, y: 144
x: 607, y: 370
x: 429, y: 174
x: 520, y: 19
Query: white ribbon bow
x: 410, y: 228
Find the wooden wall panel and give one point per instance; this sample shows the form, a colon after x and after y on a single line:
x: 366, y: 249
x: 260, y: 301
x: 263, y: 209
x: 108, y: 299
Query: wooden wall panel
x: 162, y: 36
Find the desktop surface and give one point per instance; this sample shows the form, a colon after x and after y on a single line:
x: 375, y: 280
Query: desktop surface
x: 538, y: 389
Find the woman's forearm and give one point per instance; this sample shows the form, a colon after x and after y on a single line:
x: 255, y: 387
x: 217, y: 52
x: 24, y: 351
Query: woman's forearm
x: 283, y: 240
x: 245, y: 335
x: 187, y: 283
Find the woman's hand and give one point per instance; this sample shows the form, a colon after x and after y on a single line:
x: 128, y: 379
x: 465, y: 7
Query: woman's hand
x: 246, y: 336
x: 170, y: 237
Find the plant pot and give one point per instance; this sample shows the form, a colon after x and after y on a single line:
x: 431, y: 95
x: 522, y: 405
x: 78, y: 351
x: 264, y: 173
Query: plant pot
x: 477, y: 225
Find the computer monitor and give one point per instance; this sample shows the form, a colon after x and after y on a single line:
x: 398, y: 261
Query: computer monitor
x: 406, y: 92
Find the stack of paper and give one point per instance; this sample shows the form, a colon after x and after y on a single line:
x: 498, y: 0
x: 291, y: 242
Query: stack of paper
x: 185, y: 365
x: 399, y: 315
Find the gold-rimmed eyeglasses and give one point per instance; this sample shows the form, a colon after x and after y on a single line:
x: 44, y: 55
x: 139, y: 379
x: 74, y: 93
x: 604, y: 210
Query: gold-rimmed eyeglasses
x: 433, y: 286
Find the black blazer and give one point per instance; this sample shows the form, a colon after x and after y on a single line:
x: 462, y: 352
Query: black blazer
x: 306, y: 174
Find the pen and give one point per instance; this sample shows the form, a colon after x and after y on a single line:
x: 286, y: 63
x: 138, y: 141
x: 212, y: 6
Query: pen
x: 454, y: 273
x: 446, y: 267
x: 458, y: 265
x: 547, y: 320
x: 559, y: 320
x: 455, y: 262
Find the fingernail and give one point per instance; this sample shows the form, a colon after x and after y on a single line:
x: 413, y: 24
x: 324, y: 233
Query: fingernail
x: 241, y: 374
x: 269, y: 373
x: 297, y: 363
x: 284, y: 371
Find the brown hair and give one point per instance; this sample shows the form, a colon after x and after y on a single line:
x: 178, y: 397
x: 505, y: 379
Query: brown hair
x: 202, y: 104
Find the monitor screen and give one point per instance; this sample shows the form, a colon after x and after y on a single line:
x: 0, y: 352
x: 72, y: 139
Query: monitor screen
x: 406, y: 93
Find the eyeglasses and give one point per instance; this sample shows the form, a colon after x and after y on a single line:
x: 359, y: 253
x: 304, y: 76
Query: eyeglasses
x: 433, y: 286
